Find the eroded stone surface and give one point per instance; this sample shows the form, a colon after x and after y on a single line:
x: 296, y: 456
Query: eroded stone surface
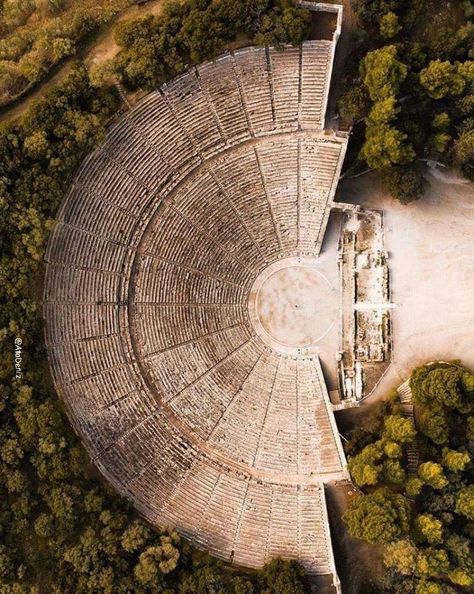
x: 293, y: 304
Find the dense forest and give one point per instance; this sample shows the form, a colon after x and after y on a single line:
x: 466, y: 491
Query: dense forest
x: 62, y: 529
x: 35, y: 35
x: 410, y: 89
x: 424, y: 516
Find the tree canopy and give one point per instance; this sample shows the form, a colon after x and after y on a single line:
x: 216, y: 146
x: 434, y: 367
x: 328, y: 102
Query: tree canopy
x: 428, y: 547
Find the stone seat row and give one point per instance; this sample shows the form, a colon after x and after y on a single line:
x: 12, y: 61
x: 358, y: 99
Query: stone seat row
x: 249, y: 522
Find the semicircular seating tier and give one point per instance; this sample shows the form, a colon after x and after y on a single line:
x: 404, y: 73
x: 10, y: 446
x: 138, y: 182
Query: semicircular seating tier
x: 183, y: 408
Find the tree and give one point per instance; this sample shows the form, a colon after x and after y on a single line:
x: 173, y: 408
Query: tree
x: 379, y: 517
x: 55, y: 6
x: 399, y: 429
x: 393, y: 582
x: 428, y: 587
x: 389, y: 25
x: 383, y: 73
x: 443, y: 384
x: 440, y: 79
x: 401, y: 555
x: 385, y: 146
x: 369, y: 11
x: 243, y: 586
x: 465, y: 502
x: 453, y: 460
x: 464, y: 153
x: 432, y: 562
x: 62, y: 48
x: 430, y: 527
x: 438, y: 143
x: 7, y: 567
x: 156, y: 560
x: 459, y: 548
x: 431, y: 473
x: 354, y: 104
x: 460, y: 577
x: 394, y: 472
x: 433, y: 424
x: 288, y: 24
x: 36, y: 145
x: 365, y: 468
x: 441, y: 121
x: 405, y: 183
x: 413, y: 486
x: 392, y: 449
x: 135, y: 537
x: 282, y: 577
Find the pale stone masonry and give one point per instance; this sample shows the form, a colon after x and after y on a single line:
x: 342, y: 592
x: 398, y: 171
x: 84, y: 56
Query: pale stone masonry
x: 182, y: 405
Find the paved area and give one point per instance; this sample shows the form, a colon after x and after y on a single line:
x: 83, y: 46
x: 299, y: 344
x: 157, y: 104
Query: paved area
x: 431, y: 260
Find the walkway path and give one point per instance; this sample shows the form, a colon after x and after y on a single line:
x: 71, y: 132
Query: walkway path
x: 97, y: 48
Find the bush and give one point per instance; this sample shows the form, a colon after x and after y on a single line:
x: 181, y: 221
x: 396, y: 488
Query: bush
x: 379, y: 517
x: 405, y: 183
x: 158, y: 47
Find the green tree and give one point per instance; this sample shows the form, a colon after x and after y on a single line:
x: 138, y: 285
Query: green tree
x: 431, y: 473
x: 441, y: 121
x: 384, y: 144
x: 389, y: 25
x: 403, y: 182
x: 460, y: 577
x: 453, y: 460
x: 243, y: 586
x: 394, y: 472
x: 135, y: 537
x: 378, y: 517
x: 206, y: 578
x: 443, y: 384
x: 413, y: 486
x: 62, y: 48
x: 432, y: 422
x: 432, y: 562
x: 465, y: 502
x: 464, y: 153
x: 157, y: 560
x: 392, y: 449
x: 354, y: 104
x: 399, y: 429
x: 430, y: 527
x: 383, y: 73
x: 401, y: 555
x: 459, y: 548
x: 440, y: 79
x: 438, y: 143
x: 285, y: 24
x: 428, y: 587
x: 366, y: 467
x: 7, y: 567
x: 282, y: 577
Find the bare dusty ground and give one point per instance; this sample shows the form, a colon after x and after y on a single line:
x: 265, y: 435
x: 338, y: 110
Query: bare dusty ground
x: 104, y: 46
x: 297, y: 306
x: 431, y: 260
x: 358, y: 564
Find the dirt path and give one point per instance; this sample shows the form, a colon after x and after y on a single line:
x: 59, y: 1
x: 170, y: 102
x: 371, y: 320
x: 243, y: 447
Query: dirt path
x: 96, y: 48
x: 359, y: 565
